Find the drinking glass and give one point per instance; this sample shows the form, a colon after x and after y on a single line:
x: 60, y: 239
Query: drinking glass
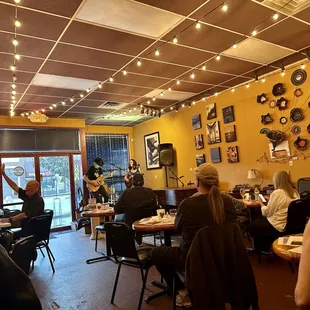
x: 173, y: 212
x: 242, y: 192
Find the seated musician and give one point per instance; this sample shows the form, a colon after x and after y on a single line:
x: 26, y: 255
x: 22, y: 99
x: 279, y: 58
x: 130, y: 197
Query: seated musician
x: 133, y: 169
x: 94, y: 173
x: 133, y: 199
x: 208, y: 208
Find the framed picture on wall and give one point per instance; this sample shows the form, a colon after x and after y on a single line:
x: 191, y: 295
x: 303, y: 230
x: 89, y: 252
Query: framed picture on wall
x: 213, y: 132
x: 230, y: 133
x: 215, y: 153
x: 211, y: 110
x: 232, y: 154
x: 198, y: 139
x: 151, y: 143
x: 200, y: 159
x: 228, y: 114
x: 196, y: 122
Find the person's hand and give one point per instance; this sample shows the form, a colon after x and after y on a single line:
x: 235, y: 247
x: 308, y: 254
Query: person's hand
x: 2, y: 169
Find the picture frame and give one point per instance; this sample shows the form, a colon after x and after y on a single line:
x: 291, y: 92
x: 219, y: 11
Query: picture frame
x: 151, y: 145
x: 196, y: 121
x: 232, y: 154
x: 230, y: 133
x: 200, y: 159
x: 228, y: 114
x: 198, y: 140
x: 215, y: 153
x: 211, y: 111
x: 213, y: 132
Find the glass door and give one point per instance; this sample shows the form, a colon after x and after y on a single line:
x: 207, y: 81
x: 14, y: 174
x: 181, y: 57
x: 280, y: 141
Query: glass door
x: 56, y: 188
x: 20, y: 170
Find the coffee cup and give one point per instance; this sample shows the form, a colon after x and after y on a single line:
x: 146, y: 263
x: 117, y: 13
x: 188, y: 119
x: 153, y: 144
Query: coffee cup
x: 160, y: 213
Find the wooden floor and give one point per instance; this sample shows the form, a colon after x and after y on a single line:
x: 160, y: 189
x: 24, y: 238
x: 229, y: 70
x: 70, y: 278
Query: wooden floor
x: 76, y: 285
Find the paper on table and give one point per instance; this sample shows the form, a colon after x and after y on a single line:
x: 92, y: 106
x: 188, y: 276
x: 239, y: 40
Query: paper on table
x: 295, y: 240
x: 296, y: 250
x: 282, y: 240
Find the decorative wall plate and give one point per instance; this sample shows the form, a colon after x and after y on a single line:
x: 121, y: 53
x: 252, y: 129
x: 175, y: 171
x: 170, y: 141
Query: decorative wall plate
x: 301, y: 144
x: 282, y: 103
x: 275, y: 137
x: 298, y: 92
x: 261, y: 98
x: 308, y: 128
x: 296, y: 130
x: 278, y: 89
x: 298, y: 77
x: 272, y: 104
x: 264, y: 131
x: 266, y: 119
x: 283, y: 120
x: 296, y: 115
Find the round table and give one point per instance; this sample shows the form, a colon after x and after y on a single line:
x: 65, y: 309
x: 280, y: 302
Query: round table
x: 95, y: 220
x: 283, y: 251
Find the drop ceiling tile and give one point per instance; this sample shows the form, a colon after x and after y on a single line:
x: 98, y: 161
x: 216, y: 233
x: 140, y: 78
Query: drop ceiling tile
x: 157, y: 103
x: 231, y: 65
x: 110, y: 97
x: 75, y: 71
x: 169, y: 95
x: 129, y: 16
x: 27, y: 46
x: 242, y: 15
x: 32, y: 23
x: 206, y: 38
x: 304, y: 15
x: 22, y: 77
x: 289, y: 33
x: 123, y: 89
x: 24, y: 64
x: 51, y: 91
x: 157, y: 69
x: 60, y: 7
x: 207, y: 77
x: 40, y: 99
x: 106, y: 39
x: 139, y: 80
x: 88, y: 110
x: 260, y: 72
x: 178, y: 6
x: 86, y: 56
x: 188, y: 87
x: 58, y: 81
x: 6, y: 87
x: 89, y: 103
x: 177, y: 54
x: 236, y: 81
x: 256, y: 50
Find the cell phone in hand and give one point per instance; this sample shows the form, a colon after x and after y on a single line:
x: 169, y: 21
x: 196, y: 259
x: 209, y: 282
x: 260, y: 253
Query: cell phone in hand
x: 262, y: 198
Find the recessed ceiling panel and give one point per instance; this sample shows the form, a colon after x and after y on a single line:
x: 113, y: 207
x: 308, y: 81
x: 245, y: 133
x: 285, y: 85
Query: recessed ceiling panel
x: 169, y: 95
x: 129, y: 16
x: 258, y: 51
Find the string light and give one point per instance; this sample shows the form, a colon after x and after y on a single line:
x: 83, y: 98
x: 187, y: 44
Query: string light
x: 248, y: 85
x: 178, y: 82
x: 51, y: 108
x: 54, y: 105
x: 194, y: 102
x: 254, y: 33
x: 198, y: 25
x: 218, y: 57
x: 283, y: 72
x: 17, y: 23
x: 148, y: 102
x: 13, y: 86
x: 235, y: 45
x: 124, y: 72
x: 161, y: 94
x: 204, y: 67
x: 72, y: 100
x: 27, y: 113
x: 263, y: 80
x: 139, y: 63
x: 37, y: 111
x: 111, y: 79
x: 153, y: 98
x: 13, y: 92
x: 232, y: 90
x: 161, y: 110
x: 169, y: 89
x: 303, y: 66
x: 63, y: 102
x: 43, y: 110
x: 171, y: 108
x: 15, y: 42
x: 17, y: 57
x: 225, y: 7
x: 81, y: 95
x: 275, y: 16
x: 157, y: 52
x: 13, y: 97
x: 215, y: 94
x: 175, y: 40
x: 192, y: 75
x: 13, y: 68
x: 99, y: 85
x: 16, y: 1
x: 183, y: 105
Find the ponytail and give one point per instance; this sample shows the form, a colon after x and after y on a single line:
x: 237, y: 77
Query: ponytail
x: 216, y: 205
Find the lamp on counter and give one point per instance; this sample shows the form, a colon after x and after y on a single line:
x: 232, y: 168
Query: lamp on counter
x: 252, y: 174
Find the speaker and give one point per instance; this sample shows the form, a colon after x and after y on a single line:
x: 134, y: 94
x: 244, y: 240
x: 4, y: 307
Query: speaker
x: 166, y: 156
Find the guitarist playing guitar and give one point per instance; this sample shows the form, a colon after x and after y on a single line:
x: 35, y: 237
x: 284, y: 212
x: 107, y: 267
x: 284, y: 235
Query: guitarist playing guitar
x: 133, y: 169
x: 95, y: 179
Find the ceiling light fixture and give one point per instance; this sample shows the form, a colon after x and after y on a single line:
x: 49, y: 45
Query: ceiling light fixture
x: 198, y: 25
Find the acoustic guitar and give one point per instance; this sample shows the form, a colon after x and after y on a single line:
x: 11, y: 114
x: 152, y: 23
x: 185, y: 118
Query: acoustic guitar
x: 99, y: 181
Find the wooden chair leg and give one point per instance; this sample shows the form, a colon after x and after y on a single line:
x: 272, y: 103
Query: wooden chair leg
x: 115, y: 283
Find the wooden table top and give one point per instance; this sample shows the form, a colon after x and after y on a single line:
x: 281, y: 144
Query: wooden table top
x: 98, y: 213
x: 153, y: 227
x: 5, y: 225
x: 283, y: 251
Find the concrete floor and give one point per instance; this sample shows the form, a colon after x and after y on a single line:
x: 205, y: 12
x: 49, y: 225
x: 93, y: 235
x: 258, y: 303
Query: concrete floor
x: 76, y: 285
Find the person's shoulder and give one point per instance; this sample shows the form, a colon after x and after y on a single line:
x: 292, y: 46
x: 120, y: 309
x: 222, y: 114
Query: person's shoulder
x: 277, y: 192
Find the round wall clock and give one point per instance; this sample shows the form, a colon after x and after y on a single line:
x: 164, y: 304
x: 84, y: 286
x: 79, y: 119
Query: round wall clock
x: 298, y: 77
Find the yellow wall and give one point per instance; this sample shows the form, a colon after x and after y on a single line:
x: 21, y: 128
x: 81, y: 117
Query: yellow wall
x: 176, y: 128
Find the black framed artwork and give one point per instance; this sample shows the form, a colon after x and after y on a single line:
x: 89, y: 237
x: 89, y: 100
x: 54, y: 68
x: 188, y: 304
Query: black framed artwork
x: 215, y: 153
x: 196, y: 121
x: 151, y: 143
x: 228, y: 114
x: 230, y: 133
x: 198, y: 139
x: 200, y: 159
x: 211, y: 111
x: 232, y: 154
x: 213, y: 132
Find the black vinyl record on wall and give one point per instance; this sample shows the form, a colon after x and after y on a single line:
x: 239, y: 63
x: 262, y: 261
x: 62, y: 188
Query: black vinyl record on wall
x: 299, y: 77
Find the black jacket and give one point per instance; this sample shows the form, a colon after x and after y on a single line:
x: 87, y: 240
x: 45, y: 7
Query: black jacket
x: 218, y: 270
x: 16, y: 290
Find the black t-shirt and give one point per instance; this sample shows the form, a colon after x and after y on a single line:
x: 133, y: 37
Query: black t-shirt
x: 194, y: 214
x: 32, y: 206
x: 93, y: 173
x: 132, y: 199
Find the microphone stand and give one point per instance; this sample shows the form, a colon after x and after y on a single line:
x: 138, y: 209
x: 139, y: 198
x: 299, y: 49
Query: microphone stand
x: 178, y: 179
x: 120, y: 173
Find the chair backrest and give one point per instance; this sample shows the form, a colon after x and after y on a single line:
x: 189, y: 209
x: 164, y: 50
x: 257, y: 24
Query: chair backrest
x: 40, y: 226
x: 297, y: 213
x: 120, y: 239
x: 145, y: 211
x: 303, y: 185
x: 23, y: 252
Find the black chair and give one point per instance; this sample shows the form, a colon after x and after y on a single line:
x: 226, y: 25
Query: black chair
x: 23, y: 252
x: 121, y: 240
x: 297, y: 213
x: 40, y: 227
x: 303, y: 185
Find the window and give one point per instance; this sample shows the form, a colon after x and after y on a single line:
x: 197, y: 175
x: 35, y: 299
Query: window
x: 113, y: 149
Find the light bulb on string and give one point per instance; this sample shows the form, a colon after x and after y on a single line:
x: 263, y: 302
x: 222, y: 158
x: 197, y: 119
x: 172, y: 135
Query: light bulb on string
x: 17, y: 23
x: 204, y: 67
x: 192, y: 75
x: 153, y: 98
x: 169, y: 89
x: 263, y: 80
x: 111, y: 79
x: 218, y: 57
x: 161, y: 110
x: 17, y: 56
x: 22, y: 114
x: 194, y: 102
x: 32, y: 113
x: 232, y: 90
x: 13, y: 97
x: 148, y: 102
x: 198, y: 25
x: 215, y: 94
x: 51, y: 108
x: 16, y: 1
x: 157, y: 52
x: 13, y: 102
x: 275, y: 16
x: 247, y: 85
x: 15, y: 42
x: 254, y: 33
x: 139, y: 63
x: 71, y: 99
x: 54, y: 105
x: 175, y: 40
x: 283, y: 72
x: 171, y: 108
x: 27, y: 113
x: 235, y: 45
x: 13, y: 92
x: 13, y: 86
x: 81, y: 95
x: 178, y: 82
x: 303, y: 66
x: 63, y: 103
x: 161, y: 94
x: 183, y: 105
x: 88, y: 90
x: 99, y: 85
x: 43, y: 110
x: 124, y: 72
x: 225, y: 7
x: 13, y: 68
x: 37, y: 111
